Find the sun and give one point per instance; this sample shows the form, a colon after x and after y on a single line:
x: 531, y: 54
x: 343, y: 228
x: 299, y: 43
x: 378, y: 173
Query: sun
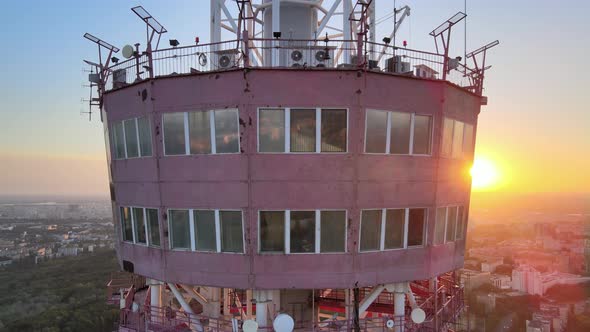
x: 484, y: 174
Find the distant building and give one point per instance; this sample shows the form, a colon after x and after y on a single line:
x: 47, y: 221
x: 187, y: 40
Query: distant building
x: 538, y: 326
x: 5, y: 261
x: 527, y: 279
x: 474, y: 279
x: 490, y: 264
x: 67, y: 251
x: 501, y: 281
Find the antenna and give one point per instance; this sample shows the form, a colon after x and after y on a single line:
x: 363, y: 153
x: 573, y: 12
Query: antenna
x: 99, y: 72
x: 439, y: 32
x: 477, y: 75
x: 156, y: 28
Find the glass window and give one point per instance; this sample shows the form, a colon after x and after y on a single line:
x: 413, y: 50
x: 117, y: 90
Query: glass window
x: 460, y: 222
x: 206, y: 238
x: 422, y: 134
x: 199, y: 129
x: 153, y: 226
x: 332, y: 231
x: 394, y: 228
x: 458, y: 139
x: 400, y: 133
x: 131, y: 138
x: 303, y: 130
x: 227, y: 133
x: 231, y: 231
x: 271, y: 130
x: 376, y: 132
x: 451, y: 223
x: 370, y: 230
x: 439, y: 226
x: 139, y: 222
x: 119, y: 140
x: 302, y: 231
x: 334, y: 130
x: 447, y: 139
x: 173, y: 125
x: 468, y: 140
x: 126, y: 224
x: 272, y: 231
x: 145, y: 137
x: 179, y: 229
x: 416, y: 221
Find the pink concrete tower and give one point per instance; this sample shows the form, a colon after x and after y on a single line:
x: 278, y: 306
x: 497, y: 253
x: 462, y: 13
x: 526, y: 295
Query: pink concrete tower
x: 293, y: 173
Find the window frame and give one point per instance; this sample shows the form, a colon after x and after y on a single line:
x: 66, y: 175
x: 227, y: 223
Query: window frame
x: 411, y: 133
x: 287, y: 133
x: 192, y: 231
x: 462, y: 154
x: 317, y: 233
x: 137, y: 137
x: 446, y: 224
x: 212, y: 133
x: 406, y: 228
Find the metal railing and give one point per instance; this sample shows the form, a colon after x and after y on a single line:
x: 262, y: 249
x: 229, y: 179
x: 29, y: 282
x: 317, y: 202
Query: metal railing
x: 291, y: 54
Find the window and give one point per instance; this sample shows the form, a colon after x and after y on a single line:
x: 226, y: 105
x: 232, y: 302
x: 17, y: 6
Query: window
x: 153, y: 227
x: 333, y: 231
x: 207, y: 132
x: 303, y: 130
x: 422, y: 134
x: 140, y: 228
x: 395, y: 221
x: 180, y: 234
x: 227, y: 133
x: 451, y: 223
x: 468, y: 140
x: 205, y: 230
x: 145, y: 137
x: 272, y: 231
x: 271, y: 130
x: 457, y: 139
x: 460, y: 223
x: 293, y: 232
x: 119, y: 140
x: 376, y: 132
x: 447, y: 139
x: 131, y: 138
x: 231, y: 231
x: 126, y: 224
x: 174, y: 138
x: 371, y: 230
x: 398, y: 133
x: 302, y: 233
x: 199, y: 126
x: 334, y: 133
x: 416, y: 226
x: 439, y: 226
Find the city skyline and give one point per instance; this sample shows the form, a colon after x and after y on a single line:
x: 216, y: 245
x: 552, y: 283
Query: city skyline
x: 46, y: 147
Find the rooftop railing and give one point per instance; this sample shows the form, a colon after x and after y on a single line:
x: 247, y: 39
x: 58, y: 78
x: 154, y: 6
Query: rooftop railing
x: 291, y: 54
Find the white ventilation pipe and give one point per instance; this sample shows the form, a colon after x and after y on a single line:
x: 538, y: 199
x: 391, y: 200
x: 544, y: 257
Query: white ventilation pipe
x: 369, y: 299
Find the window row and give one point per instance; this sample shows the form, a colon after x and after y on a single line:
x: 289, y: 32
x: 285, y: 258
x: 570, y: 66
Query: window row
x: 206, y: 230
x: 457, y: 140
x: 450, y: 224
x: 386, y: 229
x: 201, y: 132
x: 140, y: 226
x: 398, y: 133
x: 132, y: 138
x: 302, y: 130
x: 292, y: 232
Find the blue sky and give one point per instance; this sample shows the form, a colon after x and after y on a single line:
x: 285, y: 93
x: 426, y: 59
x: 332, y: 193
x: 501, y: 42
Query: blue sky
x: 537, y: 86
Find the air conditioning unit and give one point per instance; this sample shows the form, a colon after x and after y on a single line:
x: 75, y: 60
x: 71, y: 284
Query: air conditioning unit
x: 297, y: 58
x: 119, y: 78
x: 322, y: 57
x: 396, y: 65
x: 226, y: 59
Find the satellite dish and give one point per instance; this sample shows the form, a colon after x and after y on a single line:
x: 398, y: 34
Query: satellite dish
x: 128, y: 51
x: 390, y: 324
x: 250, y: 326
x: 283, y: 323
x: 418, y: 315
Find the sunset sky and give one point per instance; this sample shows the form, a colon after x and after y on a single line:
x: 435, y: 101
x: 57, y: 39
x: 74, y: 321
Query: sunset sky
x: 535, y: 130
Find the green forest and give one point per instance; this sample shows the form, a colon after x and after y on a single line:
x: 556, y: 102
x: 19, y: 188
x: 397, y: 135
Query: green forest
x: 63, y: 294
